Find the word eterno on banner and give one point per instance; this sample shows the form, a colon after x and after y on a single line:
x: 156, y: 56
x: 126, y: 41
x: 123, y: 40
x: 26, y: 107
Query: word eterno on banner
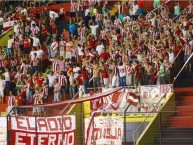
x: 43, y: 130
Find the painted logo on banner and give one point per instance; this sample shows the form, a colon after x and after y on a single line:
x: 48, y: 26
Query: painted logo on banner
x: 105, y: 131
x: 3, y: 130
x: 115, y: 101
x: 48, y: 130
x: 151, y: 95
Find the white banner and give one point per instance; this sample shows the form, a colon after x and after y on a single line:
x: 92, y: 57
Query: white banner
x: 116, y: 101
x: 105, y: 130
x: 153, y: 94
x: 46, y: 130
x: 3, y: 130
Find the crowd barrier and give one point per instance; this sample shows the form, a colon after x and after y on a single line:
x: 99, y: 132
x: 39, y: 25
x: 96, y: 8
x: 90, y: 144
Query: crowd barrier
x: 84, y: 124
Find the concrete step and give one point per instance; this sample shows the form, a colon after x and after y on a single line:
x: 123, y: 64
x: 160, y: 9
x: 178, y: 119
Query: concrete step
x: 181, y: 122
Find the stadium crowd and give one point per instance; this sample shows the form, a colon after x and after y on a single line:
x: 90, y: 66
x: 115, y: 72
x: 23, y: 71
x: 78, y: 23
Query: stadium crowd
x: 41, y: 63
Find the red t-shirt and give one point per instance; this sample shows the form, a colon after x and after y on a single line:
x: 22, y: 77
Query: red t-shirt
x: 80, y: 81
x: 44, y: 31
x: 104, y: 74
x: 105, y: 55
x: 54, y: 29
x: 84, y: 74
x: 91, y: 43
x: 26, y: 43
x: 138, y: 70
x: 140, y: 3
x: 39, y: 81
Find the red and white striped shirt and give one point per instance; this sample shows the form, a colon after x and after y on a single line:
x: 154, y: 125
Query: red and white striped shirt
x: 98, y: 17
x: 82, y: 32
x: 79, y: 7
x: 11, y: 101
x: 62, y: 44
x: 54, y: 46
x: 129, y: 70
x: 35, y: 30
x: 62, y: 80
x: 1, y: 63
x: 57, y: 87
x: 13, y: 63
x: 54, y: 64
x: 187, y: 49
x: 24, y: 68
x: 36, y: 98
x: 73, y: 7
x: 120, y: 9
x: 16, y: 45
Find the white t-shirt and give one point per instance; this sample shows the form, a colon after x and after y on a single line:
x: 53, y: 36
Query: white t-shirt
x: 16, y: 29
x: 152, y: 22
x: 24, y: 11
x: 93, y: 29
x: 191, y: 43
x: 33, y: 22
x: 100, y: 49
x: 53, y: 15
x: 32, y: 55
x: 86, y: 12
x: 2, y: 84
x: 36, y: 41
x: 10, y: 43
x: 80, y: 53
x: 51, y: 79
x: 75, y: 70
x: 40, y: 53
x: 135, y: 8
x: 122, y: 70
x: 7, y: 77
x: 126, y: 19
x: 171, y: 56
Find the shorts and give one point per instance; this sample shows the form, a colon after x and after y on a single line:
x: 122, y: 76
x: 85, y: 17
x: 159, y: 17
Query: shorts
x: 68, y: 55
x: 106, y: 81
x: 62, y: 53
x: 36, y: 109
x: 80, y: 13
x: 72, y: 14
x: 1, y: 93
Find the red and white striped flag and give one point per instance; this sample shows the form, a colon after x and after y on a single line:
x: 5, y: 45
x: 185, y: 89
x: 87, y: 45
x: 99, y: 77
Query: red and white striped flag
x: 7, y: 25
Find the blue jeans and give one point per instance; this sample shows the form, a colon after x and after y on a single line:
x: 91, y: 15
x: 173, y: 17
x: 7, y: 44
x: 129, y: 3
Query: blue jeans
x: 57, y: 97
x: 85, y: 83
x: 72, y: 91
x: 29, y: 95
x: 123, y: 81
x: 148, y: 77
x: 63, y: 90
x: 9, y: 51
x: 34, y: 69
